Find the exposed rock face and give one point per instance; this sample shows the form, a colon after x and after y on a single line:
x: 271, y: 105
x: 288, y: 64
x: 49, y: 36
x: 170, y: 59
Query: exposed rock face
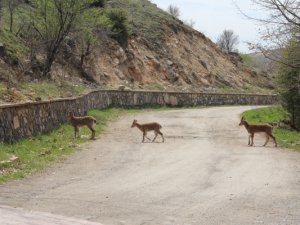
x: 185, y: 60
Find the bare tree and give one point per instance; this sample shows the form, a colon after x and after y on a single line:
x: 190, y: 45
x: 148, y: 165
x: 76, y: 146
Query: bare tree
x: 190, y: 23
x: 1, y: 6
x: 11, y: 6
x: 56, y: 19
x: 281, y: 25
x: 174, y: 11
x: 228, y: 40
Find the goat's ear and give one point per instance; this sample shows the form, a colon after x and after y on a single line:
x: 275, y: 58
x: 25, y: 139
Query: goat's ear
x: 242, y: 118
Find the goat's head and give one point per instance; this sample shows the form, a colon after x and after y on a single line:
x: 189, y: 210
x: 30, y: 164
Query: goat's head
x: 71, y: 114
x: 242, y: 122
x: 134, y: 123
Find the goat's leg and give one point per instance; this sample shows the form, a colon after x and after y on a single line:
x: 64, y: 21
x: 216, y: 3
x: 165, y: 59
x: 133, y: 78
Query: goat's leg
x: 267, y: 140
x: 252, y: 137
x: 162, y: 136
x: 249, y: 139
x: 155, y: 136
x: 93, y: 132
x: 145, y: 135
x: 274, y: 139
x: 77, y: 132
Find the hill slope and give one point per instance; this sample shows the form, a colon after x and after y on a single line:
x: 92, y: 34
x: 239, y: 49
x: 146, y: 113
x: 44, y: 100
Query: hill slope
x: 162, y: 54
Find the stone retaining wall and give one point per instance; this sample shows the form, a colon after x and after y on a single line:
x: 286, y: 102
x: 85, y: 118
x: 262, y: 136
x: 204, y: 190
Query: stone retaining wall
x: 24, y: 120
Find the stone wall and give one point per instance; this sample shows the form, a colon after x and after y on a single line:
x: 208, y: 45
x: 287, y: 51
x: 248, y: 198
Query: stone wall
x: 24, y: 120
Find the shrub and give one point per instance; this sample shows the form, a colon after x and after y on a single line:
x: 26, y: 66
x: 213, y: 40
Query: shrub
x: 119, y: 26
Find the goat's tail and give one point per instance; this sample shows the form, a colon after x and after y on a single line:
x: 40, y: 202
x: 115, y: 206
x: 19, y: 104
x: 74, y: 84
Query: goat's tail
x: 95, y: 121
x: 274, y: 125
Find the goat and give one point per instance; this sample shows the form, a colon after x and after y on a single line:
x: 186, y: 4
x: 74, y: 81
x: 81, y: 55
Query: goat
x: 148, y: 127
x: 78, y: 122
x: 265, y: 128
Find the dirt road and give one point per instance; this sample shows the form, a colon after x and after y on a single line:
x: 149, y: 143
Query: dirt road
x: 204, y: 173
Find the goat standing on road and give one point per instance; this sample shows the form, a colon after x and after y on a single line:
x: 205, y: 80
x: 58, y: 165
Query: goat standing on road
x: 148, y: 127
x: 78, y: 122
x: 265, y: 128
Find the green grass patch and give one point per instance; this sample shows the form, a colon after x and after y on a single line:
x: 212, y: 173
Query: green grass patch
x: 286, y: 138
x: 52, y: 89
x: 16, y: 48
x: 37, y: 152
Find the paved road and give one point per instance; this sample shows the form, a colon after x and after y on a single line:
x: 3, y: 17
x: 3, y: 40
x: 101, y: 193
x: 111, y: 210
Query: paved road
x: 203, y: 174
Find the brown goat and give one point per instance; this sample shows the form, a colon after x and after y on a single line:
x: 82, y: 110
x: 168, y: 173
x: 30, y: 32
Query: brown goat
x: 265, y: 128
x: 148, y: 127
x: 78, y: 122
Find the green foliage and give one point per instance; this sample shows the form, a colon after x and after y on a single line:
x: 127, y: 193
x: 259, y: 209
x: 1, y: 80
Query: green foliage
x: 53, y: 20
x: 15, y: 48
x: 247, y: 58
x: 289, y: 81
x: 267, y: 115
x: 120, y: 27
x: 286, y: 138
x: 98, y: 3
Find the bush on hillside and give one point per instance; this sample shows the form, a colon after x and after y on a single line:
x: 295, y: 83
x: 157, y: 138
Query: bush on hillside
x: 119, y: 27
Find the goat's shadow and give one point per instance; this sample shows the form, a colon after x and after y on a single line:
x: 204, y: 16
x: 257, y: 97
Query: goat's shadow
x: 261, y: 146
x: 148, y: 142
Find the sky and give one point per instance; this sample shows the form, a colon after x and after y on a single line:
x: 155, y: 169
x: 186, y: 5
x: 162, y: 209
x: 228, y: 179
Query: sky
x: 212, y: 17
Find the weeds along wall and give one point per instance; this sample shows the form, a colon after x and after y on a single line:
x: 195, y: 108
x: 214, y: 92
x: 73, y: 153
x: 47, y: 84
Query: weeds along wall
x: 19, y: 121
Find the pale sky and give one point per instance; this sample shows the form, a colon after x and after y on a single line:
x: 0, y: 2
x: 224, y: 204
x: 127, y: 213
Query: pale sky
x: 211, y: 17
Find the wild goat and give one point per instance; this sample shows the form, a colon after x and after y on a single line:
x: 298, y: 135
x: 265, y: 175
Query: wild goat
x: 78, y: 122
x: 265, y: 128
x: 148, y: 127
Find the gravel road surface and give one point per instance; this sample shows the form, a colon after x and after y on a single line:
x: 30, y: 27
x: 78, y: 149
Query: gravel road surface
x: 204, y: 173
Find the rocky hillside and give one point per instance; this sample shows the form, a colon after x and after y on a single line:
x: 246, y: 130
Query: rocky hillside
x: 162, y: 54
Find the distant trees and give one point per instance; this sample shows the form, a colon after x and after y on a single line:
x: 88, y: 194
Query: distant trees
x: 173, y: 11
x: 228, y: 40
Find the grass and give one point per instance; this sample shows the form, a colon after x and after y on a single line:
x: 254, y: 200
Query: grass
x: 45, y: 90
x: 37, y: 152
x: 15, y: 47
x: 52, y: 89
x: 286, y: 138
x: 156, y: 86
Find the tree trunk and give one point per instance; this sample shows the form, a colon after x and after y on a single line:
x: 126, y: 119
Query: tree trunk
x: 49, y: 61
x: 11, y: 22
